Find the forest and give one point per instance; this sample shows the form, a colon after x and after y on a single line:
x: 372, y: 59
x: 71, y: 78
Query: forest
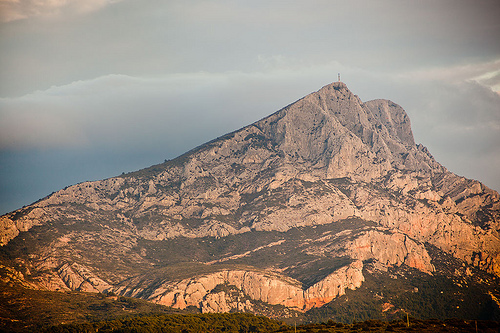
x: 243, y: 323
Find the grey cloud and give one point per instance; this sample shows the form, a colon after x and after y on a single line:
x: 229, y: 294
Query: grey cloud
x: 175, y: 113
x: 460, y: 124
x: 12, y: 10
x: 120, y: 110
x: 491, y: 79
x: 122, y: 85
x: 157, y: 38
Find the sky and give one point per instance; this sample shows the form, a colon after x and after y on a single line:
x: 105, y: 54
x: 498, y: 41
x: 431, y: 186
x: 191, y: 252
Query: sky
x: 93, y: 88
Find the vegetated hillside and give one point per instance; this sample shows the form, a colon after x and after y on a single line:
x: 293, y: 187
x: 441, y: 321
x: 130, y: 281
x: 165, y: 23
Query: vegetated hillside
x: 28, y: 310
x: 238, y: 323
x: 324, y: 204
x: 49, y: 311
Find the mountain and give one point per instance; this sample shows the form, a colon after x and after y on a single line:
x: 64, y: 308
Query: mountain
x: 327, y: 204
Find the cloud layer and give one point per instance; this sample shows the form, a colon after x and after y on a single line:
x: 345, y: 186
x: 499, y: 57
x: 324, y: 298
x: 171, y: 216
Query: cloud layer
x: 90, y: 89
x: 173, y: 114
x: 13, y: 10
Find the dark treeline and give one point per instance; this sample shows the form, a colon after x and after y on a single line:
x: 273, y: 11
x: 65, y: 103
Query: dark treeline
x: 171, y: 323
x: 241, y: 322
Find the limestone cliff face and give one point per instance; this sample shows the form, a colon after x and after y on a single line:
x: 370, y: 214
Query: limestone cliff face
x: 308, y: 192
x: 272, y: 288
x: 392, y: 249
x: 77, y: 277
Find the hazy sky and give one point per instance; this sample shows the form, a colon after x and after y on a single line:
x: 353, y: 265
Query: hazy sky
x: 93, y: 88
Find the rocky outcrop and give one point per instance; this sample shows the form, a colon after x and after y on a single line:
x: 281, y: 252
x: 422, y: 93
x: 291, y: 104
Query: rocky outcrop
x: 203, y: 291
x: 77, y: 277
x: 226, y: 301
x: 390, y: 249
x: 335, y: 284
x: 22, y: 220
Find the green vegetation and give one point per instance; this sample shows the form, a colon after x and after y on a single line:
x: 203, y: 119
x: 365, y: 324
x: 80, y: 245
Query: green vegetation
x: 398, y: 325
x: 220, y: 322
x: 27, y: 310
x: 386, y: 295
x: 240, y: 322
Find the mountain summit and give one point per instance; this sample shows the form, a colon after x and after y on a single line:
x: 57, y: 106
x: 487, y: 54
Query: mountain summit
x: 327, y: 196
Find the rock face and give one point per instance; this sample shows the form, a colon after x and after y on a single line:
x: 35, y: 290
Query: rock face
x: 284, y: 211
x: 268, y: 287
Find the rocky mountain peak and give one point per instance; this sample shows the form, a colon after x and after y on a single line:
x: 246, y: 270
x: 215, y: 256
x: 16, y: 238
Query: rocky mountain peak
x: 295, y: 209
x: 343, y: 137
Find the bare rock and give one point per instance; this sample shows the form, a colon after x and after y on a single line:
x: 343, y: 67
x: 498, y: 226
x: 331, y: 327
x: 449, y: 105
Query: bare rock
x: 266, y: 287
